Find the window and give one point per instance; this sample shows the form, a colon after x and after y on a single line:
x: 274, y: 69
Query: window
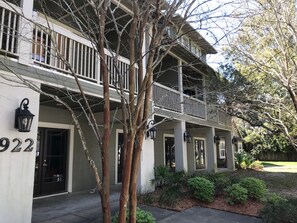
x: 199, y: 147
x: 222, y: 149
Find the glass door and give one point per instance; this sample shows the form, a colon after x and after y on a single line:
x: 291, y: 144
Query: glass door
x: 50, y: 162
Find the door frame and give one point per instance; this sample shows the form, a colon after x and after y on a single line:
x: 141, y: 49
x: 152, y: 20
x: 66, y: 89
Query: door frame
x: 69, y: 154
x: 116, y: 155
x: 205, y: 153
x: 164, y: 149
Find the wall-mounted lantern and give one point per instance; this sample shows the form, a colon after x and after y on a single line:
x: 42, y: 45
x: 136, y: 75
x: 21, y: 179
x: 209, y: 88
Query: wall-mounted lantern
x: 236, y: 139
x: 187, y: 137
x: 216, y: 139
x: 23, y: 117
x: 151, y: 131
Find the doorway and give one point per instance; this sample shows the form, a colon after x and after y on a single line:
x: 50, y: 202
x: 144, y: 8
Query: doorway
x: 50, y: 162
x: 170, y: 152
x: 119, y: 160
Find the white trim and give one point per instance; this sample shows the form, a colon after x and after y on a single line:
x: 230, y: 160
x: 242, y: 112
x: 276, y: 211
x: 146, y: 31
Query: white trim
x: 69, y: 168
x: 51, y: 195
x: 164, y: 154
x: 205, y: 153
x: 116, y: 155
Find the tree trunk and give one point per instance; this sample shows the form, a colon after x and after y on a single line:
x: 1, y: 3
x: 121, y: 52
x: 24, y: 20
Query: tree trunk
x: 134, y: 177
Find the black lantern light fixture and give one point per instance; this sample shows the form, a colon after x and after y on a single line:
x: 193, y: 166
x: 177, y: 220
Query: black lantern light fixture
x: 187, y: 137
x: 216, y: 139
x: 23, y: 117
x: 236, y: 139
x: 151, y: 131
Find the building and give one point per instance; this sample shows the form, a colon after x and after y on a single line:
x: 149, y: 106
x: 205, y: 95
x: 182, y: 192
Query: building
x: 49, y: 160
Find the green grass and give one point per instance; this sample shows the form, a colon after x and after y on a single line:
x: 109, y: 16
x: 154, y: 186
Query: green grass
x: 275, y: 181
x: 278, y: 163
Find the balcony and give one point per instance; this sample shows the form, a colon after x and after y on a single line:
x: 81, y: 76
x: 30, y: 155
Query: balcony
x: 168, y: 98
x: 65, y: 52
x: 60, y: 49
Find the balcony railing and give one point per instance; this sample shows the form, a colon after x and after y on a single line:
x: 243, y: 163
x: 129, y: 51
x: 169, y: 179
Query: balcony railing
x: 166, y: 97
x: 9, y: 23
x: 194, y: 107
x: 63, y: 50
x: 221, y: 117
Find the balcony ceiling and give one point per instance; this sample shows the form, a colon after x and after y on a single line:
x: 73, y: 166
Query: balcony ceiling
x: 191, y: 59
x: 71, y: 98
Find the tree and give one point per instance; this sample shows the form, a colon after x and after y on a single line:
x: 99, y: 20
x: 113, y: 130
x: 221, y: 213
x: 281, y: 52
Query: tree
x: 261, y: 82
x: 112, y: 32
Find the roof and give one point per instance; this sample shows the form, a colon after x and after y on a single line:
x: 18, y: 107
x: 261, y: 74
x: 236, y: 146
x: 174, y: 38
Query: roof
x: 194, y: 35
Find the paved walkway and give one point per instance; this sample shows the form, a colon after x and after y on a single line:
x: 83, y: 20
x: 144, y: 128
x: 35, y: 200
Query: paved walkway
x: 83, y: 207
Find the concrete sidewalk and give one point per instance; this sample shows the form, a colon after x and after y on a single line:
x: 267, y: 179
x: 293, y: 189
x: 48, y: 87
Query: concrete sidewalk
x: 84, y: 207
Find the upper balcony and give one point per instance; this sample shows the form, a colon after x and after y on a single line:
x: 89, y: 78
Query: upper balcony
x: 62, y: 48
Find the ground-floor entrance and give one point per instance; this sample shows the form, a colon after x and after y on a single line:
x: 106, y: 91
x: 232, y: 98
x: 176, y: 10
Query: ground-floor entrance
x: 50, y: 162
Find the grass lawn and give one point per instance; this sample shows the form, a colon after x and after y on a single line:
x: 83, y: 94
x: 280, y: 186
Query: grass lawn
x: 278, y: 163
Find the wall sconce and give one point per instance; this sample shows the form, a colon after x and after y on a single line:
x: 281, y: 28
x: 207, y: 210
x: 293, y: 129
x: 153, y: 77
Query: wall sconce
x: 216, y: 139
x: 23, y: 117
x: 236, y: 139
x: 187, y: 137
x: 151, y: 130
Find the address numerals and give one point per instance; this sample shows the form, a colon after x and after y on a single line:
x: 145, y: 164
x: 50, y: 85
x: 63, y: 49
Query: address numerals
x: 16, y: 145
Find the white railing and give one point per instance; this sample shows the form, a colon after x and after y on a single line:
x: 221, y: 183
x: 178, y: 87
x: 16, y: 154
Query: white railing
x: 55, y: 50
x: 187, y: 43
x: 9, y: 22
x: 119, y: 71
x: 62, y: 49
x: 195, y: 107
x: 224, y: 118
x: 166, y: 97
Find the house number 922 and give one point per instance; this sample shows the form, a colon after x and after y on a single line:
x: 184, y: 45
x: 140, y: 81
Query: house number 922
x: 16, y: 144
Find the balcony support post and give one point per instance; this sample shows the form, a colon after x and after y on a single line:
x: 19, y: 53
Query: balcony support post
x: 229, y: 149
x: 25, y: 32
x: 211, y: 150
x: 181, y: 162
x: 180, y: 83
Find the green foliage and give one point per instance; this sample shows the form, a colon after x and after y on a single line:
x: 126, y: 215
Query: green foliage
x: 220, y: 181
x: 243, y: 160
x: 171, y: 184
x: 280, y: 211
x: 236, y: 194
x: 146, y: 198
x: 162, y: 174
x: 169, y: 196
x: 256, y: 187
x: 141, y: 217
x: 257, y: 165
x: 202, y: 188
x: 273, y: 198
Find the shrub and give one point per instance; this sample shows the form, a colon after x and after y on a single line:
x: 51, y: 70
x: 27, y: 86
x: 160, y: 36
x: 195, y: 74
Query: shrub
x: 202, y: 188
x: 257, y: 165
x: 169, y: 196
x: 162, y: 174
x: 236, y: 194
x: 282, y: 211
x: 141, y: 217
x: 256, y: 187
x: 146, y: 198
x: 239, y: 159
x: 220, y: 181
x: 273, y: 198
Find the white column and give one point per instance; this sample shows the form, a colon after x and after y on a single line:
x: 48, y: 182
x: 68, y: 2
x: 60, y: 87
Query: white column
x: 181, y: 162
x: 211, y: 151
x: 16, y: 168
x: 147, y: 164
x: 25, y: 33
x: 229, y: 150
x: 180, y: 83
